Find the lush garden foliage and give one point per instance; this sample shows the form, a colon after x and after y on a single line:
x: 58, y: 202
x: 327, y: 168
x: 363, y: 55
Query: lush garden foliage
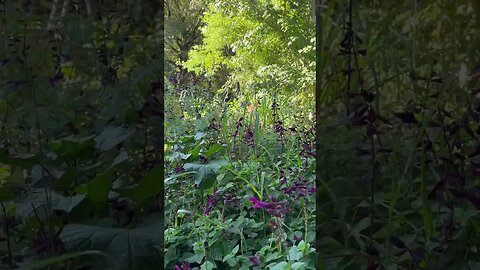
x: 79, y: 134
x: 384, y: 174
x: 239, y: 135
x: 399, y: 179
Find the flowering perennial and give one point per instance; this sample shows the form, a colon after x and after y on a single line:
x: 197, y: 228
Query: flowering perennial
x: 274, y: 208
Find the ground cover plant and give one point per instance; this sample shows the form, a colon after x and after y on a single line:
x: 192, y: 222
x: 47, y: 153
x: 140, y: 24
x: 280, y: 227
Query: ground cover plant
x: 239, y: 148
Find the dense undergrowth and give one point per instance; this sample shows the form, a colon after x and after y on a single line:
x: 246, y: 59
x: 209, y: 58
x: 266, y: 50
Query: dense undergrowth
x: 238, y: 194
x: 79, y: 123
x: 240, y: 143
x: 399, y: 182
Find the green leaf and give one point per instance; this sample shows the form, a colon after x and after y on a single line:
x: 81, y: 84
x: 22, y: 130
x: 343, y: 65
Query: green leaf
x: 97, y: 190
x: 18, y: 177
x: 111, y: 136
x: 298, y: 266
x: 139, y: 248
x: 22, y: 160
x: 6, y: 193
x: 148, y: 187
x: 208, y: 265
x: 122, y: 156
x: 58, y: 202
x: 281, y: 266
x: 213, y: 150
x: 73, y: 147
x: 235, y: 250
x: 67, y: 203
x: 216, y: 250
x: 177, y: 155
x: 4, y: 172
x: 206, y: 173
x: 199, y: 136
x: 295, y: 254
x: 196, y: 258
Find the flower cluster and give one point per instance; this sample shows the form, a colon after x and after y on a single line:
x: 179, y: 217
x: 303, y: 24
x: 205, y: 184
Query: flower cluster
x: 274, y: 208
x: 216, y: 197
x: 300, y: 188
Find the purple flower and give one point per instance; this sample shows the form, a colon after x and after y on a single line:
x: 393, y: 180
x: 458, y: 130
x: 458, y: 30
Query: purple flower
x: 300, y: 189
x: 209, y: 207
x: 179, y: 169
x: 185, y: 266
x: 4, y: 61
x: 211, y: 201
x: 254, y: 260
x: 229, y: 199
x: 275, y: 208
x: 297, y: 238
x: 257, y: 203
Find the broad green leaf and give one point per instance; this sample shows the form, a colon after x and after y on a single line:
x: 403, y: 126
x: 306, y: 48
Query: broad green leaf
x: 139, y: 248
x: 206, y: 173
x: 73, y: 147
x: 298, y: 266
x: 150, y: 185
x: 196, y: 258
x: 38, y: 200
x: 294, y: 253
x: 97, y: 190
x: 111, y: 136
